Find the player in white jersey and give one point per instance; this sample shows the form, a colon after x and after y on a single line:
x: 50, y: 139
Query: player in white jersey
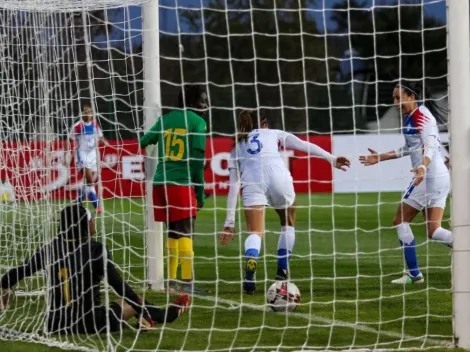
x: 430, y: 186
x: 86, y: 134
x: 258, y: 169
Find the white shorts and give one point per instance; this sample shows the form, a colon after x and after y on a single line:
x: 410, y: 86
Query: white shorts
x: 273, y: 185
x: 431, y: 193
x: 87, y: 160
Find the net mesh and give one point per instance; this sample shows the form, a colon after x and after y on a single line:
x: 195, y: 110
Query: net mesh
x: 322, y: 70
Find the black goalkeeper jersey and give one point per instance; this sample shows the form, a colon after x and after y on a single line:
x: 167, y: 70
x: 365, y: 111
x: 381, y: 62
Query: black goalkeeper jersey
x: 74, y: 271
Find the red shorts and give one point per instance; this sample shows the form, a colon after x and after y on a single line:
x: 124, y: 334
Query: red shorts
x: 173, y: 203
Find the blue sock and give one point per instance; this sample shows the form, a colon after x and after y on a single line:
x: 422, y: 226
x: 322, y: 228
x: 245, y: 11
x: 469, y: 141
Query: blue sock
x: 409, y: 250
x: 283, y: 256
x: 80, y: 195
x: 252, y: 246
x: 252, y: 252
x: 92, y: 196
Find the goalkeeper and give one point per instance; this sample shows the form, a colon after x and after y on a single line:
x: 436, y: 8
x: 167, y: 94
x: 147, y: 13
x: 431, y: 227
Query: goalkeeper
x: 75, y: 265
x: 178, y: 189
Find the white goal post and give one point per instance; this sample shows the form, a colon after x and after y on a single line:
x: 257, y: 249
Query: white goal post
x: 459, y: 102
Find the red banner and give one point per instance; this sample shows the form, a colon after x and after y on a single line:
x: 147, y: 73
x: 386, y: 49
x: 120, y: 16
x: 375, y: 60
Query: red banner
x: 310, y: 174
x: 37, y: 169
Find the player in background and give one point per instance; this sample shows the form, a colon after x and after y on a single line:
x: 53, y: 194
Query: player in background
x: 256, y: 166
x: 75, y: 265
x: 178, y: 189
x: 427, y: 192
x: 86, y: 134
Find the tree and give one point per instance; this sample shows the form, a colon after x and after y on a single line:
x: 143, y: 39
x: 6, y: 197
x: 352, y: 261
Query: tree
x: 268, y: 55
x: 398, y: 41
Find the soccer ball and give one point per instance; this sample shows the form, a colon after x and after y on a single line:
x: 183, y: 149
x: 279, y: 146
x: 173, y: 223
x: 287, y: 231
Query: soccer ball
x: 283, y: 296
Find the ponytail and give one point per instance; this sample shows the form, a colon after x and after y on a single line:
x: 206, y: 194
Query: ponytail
x: 244, y: 125
x: 423, y: 95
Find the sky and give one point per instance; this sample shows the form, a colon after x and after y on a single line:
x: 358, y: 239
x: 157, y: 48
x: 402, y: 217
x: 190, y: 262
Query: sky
x: 131, y: 20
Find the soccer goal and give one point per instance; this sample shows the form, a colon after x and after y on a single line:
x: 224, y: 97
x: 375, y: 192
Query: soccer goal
x: 322, y: 70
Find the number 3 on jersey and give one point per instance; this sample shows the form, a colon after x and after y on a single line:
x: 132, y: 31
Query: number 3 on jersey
x: 259, y: 145
x: 174, y: 143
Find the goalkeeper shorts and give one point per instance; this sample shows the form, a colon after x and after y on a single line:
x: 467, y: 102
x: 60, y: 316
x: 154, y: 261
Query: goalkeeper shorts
x: 173, y: 202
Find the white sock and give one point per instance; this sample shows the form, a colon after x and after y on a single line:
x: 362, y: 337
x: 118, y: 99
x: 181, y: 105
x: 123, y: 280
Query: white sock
x: 442, y: 235
x: 90, y: 189
x: 252, y: 246
x: 285, y: 246
x: 405, y: 235
x: 286, y: 238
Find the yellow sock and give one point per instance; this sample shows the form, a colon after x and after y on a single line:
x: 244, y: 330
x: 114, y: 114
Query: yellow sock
x: 186, y: 255
x: 172, y: 252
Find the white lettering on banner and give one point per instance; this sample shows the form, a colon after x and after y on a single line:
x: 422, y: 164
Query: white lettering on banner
x: 132, y: 167
x: 110, y: 161
x: 51, y: 170
x: 389, y: 176
x: 216, y: 164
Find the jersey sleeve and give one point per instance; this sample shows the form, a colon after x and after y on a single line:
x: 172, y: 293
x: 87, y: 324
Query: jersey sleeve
x: 425, y: 123
x: 233, y: 162
x: 199, y: 134
x: 151, y: 137
x: 288, y: 140
x: 28, y: 268
x: 99, y: 131
x: 427, y: 127
x: 234, y: 190
x: 73, y: 133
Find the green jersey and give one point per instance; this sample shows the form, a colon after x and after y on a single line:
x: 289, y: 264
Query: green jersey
x: 180, y: 136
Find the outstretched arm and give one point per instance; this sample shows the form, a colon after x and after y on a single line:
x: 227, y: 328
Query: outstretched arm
x: 27, y: 269
x: 290, y: 141
x: 232, y: 198
x: 293, y: 142
x: 228, y: 232
x: 374, y: 157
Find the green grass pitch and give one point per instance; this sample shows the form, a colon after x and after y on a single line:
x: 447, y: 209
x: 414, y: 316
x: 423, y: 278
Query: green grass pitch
x: 345, y: 256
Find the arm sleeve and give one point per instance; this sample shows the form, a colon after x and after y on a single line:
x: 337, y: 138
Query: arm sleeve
x: 198, y: 135
x: 431, y: 144
x: 232, y: 197
x: 99, y: 131
x: 151, y: 137
x: 402, y: 151
x: 198, y: 147
x: 28, y: 268
x: 72, y: 136
x: 428, y: 130
x: 290, y: 141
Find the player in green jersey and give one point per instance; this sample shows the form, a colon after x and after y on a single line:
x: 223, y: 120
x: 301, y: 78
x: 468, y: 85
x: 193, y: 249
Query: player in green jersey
x: 178, y: 189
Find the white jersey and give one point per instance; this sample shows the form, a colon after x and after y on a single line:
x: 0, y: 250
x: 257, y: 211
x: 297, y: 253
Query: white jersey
x: 417, y: 127
x: 86, y: 134
x: 261, y: 149
x: 256, y: 166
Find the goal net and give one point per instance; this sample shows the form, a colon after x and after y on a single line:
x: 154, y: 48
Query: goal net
x: 322, y: 70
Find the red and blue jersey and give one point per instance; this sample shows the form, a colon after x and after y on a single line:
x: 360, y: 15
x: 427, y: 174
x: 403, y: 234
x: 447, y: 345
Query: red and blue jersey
x: 86, y: 134
x: 417, y: 127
